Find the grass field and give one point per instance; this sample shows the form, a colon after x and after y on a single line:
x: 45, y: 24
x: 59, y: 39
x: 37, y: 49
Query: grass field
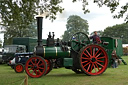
x: 62, y: 76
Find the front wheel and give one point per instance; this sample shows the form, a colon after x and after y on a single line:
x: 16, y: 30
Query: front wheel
x: 19, y: 68
x: 36, y: 67
x: 93, y: 59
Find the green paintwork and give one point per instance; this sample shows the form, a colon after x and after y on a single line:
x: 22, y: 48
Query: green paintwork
x: 28, y: 42
x: 55, y: 52
x: 114, y: 44
x: 68, y: 62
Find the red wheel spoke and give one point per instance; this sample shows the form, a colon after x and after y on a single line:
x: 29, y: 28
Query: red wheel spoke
x: 39, y: 71
x: 86, y: 55
x: 97, y: 66
x: 97, y: 52
x: 101, y: 57
x: 35, y: 71
x: 32, y: 72
x: 89, y: 67
x: 95, y: 69
x: 100, y: 61
x: 93, y: 51
x: 35, y: 61
x: 17, y: 67
x: 41, y: 64
x: 98, y: 55
x: 30, y: 65
x: 30, y: 69
x: 40, y: 68
x: 86, y: 64
x: 38, y: 62
x: 32, y: 62
x: 100, y: 64
x: 84, y: 61
x: 85, y: 58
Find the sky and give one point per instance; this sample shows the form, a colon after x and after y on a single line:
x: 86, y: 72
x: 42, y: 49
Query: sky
x: 98, y: 18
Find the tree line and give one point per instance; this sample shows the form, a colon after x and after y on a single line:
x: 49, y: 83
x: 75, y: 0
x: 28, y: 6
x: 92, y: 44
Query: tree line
x: 77, y: 24
x: 17, y: 16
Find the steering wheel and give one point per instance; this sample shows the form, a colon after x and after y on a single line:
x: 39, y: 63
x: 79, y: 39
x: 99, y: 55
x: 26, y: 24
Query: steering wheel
x: 78, y: 40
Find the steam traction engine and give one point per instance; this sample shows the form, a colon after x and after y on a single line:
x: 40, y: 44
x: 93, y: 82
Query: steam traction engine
x: 79, y: 55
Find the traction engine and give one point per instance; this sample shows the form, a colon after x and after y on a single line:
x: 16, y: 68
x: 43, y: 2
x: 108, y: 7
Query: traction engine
x: 79, y: 55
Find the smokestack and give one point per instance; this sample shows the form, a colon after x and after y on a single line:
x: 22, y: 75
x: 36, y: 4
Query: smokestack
x: 39, y: 48
x: 39, y: 30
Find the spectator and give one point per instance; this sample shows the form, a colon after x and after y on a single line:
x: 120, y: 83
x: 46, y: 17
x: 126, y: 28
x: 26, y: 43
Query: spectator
x: 114, y: 59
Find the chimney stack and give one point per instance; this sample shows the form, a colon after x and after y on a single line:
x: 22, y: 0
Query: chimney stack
x: 39, y: 30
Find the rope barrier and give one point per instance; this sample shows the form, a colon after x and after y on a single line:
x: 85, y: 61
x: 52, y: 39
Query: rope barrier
x: 15, y: 81
x: 24, y: 80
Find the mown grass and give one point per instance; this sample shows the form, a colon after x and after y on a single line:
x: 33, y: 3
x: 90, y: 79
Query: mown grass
x: 62, y: 76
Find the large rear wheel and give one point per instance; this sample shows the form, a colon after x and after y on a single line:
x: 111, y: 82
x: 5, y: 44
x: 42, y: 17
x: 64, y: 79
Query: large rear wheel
x: 93, y: 59
x: 36, y: 67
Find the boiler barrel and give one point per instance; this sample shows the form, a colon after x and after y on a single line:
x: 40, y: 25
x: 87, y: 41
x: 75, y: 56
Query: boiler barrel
x: 55, y: 52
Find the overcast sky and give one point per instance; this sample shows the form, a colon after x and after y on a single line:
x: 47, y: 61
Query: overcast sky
x: 98, y: 18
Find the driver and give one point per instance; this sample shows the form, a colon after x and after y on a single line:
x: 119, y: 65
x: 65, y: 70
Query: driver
x: 96, y: 38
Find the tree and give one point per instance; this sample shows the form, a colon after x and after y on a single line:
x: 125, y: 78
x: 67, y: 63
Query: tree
x: 75, y: 24
x: 117, y: 31
x: 18, y: 16
x: 112, y: 4
x: 27, y: 31
x: 20, y: 13
x: 17, y: 19
x: 53, y: 6
x: 27, y: 9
